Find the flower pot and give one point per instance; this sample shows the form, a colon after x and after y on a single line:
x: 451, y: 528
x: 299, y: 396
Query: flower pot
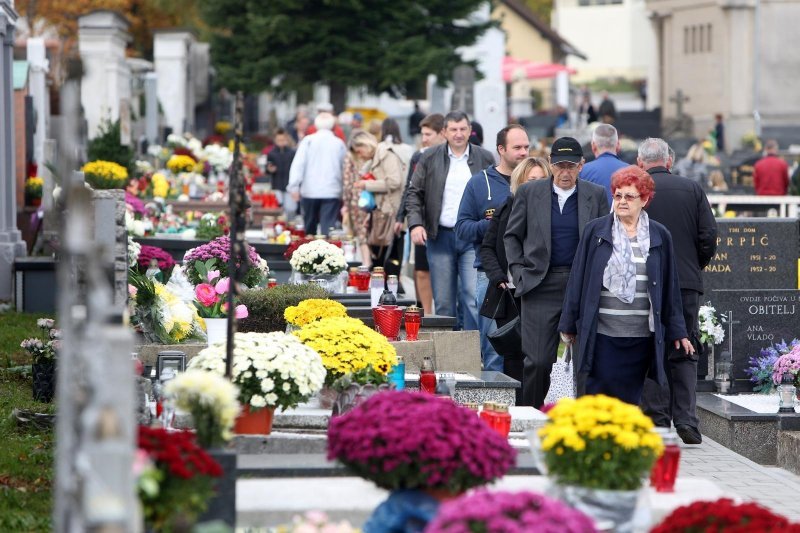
x: 34, y: 201
x: 611, y: 510
x: 404, y: 510
x: 330, y: 282
x: 216, y: 330
x: 254, y: 422
x: 222, y: 507
x: 44, y: 381
x: 355, y: 394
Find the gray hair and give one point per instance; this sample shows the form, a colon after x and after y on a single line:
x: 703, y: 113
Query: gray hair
x: 324, y: 121
x: 605, y: 137
x: 654, y: 150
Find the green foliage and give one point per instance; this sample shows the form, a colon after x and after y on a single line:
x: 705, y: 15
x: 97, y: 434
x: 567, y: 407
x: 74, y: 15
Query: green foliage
x: 284, y: 45
x: 266, y: 306
x: 26, y: 457
x: 107, y: 147
x: 367, y: 375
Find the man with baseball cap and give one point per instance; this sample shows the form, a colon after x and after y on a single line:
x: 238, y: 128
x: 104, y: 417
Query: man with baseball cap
x: 544, y: 228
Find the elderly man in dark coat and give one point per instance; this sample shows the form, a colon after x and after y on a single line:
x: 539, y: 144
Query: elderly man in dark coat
x: 544, y: 228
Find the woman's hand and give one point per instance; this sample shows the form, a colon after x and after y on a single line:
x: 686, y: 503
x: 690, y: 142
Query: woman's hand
x: 360, y: 184
x: 567, y: 338
x: 686, y: 345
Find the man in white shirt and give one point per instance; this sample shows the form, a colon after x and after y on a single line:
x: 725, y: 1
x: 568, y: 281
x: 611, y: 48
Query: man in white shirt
x: 316, y: 176
x: 433, y: 200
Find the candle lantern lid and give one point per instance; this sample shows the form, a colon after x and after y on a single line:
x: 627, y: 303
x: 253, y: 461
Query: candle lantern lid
x: 412, y: 309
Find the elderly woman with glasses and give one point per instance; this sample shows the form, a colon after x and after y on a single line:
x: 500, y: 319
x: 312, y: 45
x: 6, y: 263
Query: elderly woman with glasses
x: 623, y: 300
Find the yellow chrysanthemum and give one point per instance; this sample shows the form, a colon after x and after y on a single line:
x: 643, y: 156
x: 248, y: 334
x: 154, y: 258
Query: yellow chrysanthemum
x: 181, y: 163
x: 105, y: 174
x: 312, y: 310
x: 347, y: 345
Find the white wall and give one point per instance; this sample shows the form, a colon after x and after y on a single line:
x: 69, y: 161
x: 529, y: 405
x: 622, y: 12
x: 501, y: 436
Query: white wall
x: 618, y: 39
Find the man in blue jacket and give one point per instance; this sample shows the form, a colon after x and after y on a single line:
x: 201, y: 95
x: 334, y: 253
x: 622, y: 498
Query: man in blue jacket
x: 605, y: 147
x: 486, y: 191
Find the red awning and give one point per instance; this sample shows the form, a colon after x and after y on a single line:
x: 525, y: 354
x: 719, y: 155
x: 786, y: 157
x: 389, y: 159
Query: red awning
x: 514, y: 69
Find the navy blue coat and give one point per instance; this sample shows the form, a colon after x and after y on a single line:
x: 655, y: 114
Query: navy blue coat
x: 582, y: 299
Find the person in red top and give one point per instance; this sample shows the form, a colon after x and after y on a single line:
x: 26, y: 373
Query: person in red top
x: 771, y: 173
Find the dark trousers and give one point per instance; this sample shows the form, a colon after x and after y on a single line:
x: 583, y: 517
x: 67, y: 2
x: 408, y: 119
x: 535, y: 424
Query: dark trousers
x: 677, y: 402
x: 322, y: 212
x: 512, y: 367
x: 619, y: 367
x: 540, y: 313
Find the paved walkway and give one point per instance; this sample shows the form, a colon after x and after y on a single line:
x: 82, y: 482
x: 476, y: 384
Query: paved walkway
x: 770, y: 486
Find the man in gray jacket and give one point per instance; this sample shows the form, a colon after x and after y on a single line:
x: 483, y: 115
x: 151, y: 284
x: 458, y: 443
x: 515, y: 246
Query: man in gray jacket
x: 543, y: 232
x: 433, y: 199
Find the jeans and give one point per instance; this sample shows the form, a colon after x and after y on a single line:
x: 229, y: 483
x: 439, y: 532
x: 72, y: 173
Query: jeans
x: 322, y: 212
x: 453, y: 278
x: 491, y: 359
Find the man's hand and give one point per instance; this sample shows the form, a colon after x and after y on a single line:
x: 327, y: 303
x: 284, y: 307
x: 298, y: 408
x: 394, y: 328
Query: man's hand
x: 502, y: 285
x: 419, y: 235
x: 398, y: 227
x: 296, y: 196
x: 686, y: 345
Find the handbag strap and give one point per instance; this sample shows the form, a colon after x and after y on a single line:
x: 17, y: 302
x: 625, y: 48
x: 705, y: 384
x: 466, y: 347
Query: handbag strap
x: 506, y: 292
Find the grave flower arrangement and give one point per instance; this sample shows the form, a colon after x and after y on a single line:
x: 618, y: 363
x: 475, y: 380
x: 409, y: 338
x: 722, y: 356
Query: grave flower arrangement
x: 160, y: 314
x: 450, y: 449
x: 763, y: 365
x: 165, y: 261
x: 211, y: 226
x: 105, y: 175
x: 211, y: 299
x: 160, y: 186
x: 724, y: 515
x: 312, y: 310
x: 211, y: 400
x: 43, y: 349
x: 599, y: 442
x: 33, y: 188
x: 347, y: 345
x: 711, y: 329
x: 270, y: 369
x: 215, y: 255
x: 788, y: 363
x: 318, y: 257
x: 181, y: 163
x: 510, y: 512
x: 175, y: 478
x: 134, y: 249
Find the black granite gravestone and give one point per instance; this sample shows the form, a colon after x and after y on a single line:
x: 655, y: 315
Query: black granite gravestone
x: 754, y: 253
x: 757, y: 318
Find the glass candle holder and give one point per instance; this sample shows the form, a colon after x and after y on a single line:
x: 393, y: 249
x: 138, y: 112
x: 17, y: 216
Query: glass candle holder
x: 413, y: 321
x: 665, y: 470
x: 786, y: 393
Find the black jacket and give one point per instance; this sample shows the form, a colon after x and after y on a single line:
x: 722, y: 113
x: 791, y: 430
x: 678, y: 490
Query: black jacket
x: 281, y: 158
x: 681, y: 205
x: 412, y: 165
x: 426, y: 193
x: 495, y: 264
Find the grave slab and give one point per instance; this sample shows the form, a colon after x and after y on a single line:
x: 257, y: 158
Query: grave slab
x: 354, y: 499
x: 751, y: 434
x: 789, y: 451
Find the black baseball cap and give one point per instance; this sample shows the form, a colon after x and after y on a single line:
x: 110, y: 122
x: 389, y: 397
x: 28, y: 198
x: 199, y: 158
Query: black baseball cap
x: 566, y: 149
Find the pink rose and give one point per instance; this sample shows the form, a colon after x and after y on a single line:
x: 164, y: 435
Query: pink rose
x: 212, y: 275
x: 205, y: 294
x: 132, y: 290
x: 223, y: 285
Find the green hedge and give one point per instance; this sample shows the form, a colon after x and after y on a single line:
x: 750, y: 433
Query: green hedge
x: 266, y: 306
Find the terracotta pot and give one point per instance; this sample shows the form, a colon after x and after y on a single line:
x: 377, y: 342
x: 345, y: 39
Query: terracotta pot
x: 257, y: 422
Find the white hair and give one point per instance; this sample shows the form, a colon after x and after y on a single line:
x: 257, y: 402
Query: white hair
x: 605, y: 137
x: 324, y: 121
x: 654, y: 150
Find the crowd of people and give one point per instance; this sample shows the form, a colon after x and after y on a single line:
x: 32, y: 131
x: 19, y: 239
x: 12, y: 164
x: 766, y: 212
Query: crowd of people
x: 604, y: 257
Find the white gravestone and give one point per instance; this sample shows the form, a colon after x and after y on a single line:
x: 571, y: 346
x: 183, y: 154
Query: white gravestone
x: 102, y: 39
x: 172, y: 53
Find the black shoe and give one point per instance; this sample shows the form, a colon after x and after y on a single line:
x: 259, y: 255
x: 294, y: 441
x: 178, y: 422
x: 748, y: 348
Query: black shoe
x: 689, y: 434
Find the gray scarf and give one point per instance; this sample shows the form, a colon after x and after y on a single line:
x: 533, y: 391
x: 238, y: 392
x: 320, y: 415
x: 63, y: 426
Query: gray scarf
x: 619, y: 277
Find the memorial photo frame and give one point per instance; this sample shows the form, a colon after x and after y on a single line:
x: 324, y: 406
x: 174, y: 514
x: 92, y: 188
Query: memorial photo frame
x: 173, y: 360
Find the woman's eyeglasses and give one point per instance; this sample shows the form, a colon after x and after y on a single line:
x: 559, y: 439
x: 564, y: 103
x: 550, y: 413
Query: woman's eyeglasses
x: 628, y: 197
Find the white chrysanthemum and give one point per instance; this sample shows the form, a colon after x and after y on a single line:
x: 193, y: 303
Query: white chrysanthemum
x: 195, y: 390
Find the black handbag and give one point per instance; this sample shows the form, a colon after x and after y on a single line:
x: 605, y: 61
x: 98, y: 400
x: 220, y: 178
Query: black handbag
x: 507, y: 339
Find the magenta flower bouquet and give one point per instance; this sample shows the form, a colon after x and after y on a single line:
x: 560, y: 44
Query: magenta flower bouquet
x: 211, y: 299
x: 510, y: 512
x: 412, y: 440
x: 214, y: 255
x: 165, y: 261
x: 788, y: 363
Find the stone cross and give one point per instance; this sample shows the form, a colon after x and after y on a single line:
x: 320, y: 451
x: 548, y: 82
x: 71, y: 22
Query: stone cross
x: 95, y: 427
x: 679, y: 100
